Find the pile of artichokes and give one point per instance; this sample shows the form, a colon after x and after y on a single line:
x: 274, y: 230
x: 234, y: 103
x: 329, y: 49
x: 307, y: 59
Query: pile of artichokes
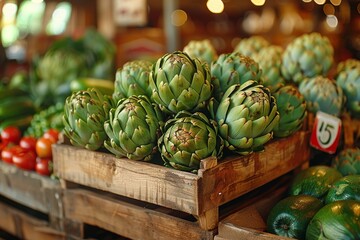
x: 186, y: 106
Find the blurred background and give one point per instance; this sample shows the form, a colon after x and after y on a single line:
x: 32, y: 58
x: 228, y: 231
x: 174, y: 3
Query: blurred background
x: 150, y: 28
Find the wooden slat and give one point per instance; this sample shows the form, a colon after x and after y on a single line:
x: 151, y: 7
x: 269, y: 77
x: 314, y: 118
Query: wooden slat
x: 24, y: 226
x: 128, y: 219
x: 139, y: 180
x: 31, y: 189
x: 236, y: 176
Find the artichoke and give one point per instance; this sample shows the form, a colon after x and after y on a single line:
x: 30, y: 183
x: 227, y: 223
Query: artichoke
x: 347, y: 161
x: 133, y: 128
x: 233, y: 68
x: 292, y: 108
x: 187, y: 139
x: 322, y: 94
x: 85, y: 112
x: 348, y: 78
x: 269, y: 59
x: 252, y: 45
x: 133, y: 79
x: 307, y: 56
x: 246, y: 117
x: 180, y: 82
x: 201, y: 49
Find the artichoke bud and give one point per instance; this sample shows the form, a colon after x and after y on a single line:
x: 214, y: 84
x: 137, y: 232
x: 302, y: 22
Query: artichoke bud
x: 246, y: 117
x: 85, y: 112
x: 187, y: 139
x: 179, y: 82
x: 133, y: 128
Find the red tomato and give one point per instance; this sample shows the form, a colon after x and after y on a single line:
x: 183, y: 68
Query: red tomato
x: 44, y: 166
x: 43, y: 147
x: 9, y: 151
x: 52, y: 134
x: 25, y: 160
x: 11, y: 134
x: 28, y: 143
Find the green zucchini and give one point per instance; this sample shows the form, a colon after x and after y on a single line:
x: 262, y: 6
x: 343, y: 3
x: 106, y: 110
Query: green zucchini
x: 16, y: 107
x: 336, y: 221
x: 291, y: 215
x: 347, y: 187
x: 104, y: 85
x: 22, y: 122
x: 7, y: 92
x: 314, y: 181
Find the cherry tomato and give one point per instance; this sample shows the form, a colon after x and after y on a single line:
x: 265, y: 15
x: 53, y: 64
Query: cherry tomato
x: 43, y: 147
x: 28, y: 143
x: 11, y: 134
x: 25, y: 160
x: 52, y: 134
x: 9, y: 151
x: 44, y: 166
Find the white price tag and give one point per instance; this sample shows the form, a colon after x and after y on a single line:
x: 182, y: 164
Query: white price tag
x: 326, y: 132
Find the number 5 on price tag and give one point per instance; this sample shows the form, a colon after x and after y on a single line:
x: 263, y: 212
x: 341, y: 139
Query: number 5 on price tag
x: 326, y: 132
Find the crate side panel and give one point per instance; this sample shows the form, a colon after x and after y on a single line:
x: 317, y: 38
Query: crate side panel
x: 236, y: 176
x: 127, y: 219
x: 139, y: 180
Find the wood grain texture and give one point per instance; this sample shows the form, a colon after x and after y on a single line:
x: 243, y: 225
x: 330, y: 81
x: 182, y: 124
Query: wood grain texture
x: 221, y: 181
x: 24, y: 226
x: 128, y: 219
x: 31, y: 189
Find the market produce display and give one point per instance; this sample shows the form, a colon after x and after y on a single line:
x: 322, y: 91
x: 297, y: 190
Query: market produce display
x: 133, y: 128
x: 251, y: 45
x: 348, y: 78
x: 307, y: 56
x: 203, y: 50
x: 291, y: 215
x: 84, y: 115
x: 233, y: 68
x: 346, y: 188
x: 347, y: 161
x: 292, y: 109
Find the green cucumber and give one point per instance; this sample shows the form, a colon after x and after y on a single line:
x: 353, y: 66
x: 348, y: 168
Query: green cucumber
x: 314, y: 181
x: 335, y: 221
x: 291, y: 215
x: 16, y: 107
x: 104, y: 85
x: 7, y: 92
x: 22, y: 122
x: 347, y: 187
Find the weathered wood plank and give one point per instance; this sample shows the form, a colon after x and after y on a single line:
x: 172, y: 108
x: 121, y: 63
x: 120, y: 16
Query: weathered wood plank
x: 127, y: 219
x: 31, y: 189
x: 139, y: 180
x: 24, y: 226
x: 236, y: 176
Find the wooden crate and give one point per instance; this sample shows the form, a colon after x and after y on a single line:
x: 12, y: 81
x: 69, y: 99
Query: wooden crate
x: 32, y: 190
x: 200, y: 195
x: 249, y: 222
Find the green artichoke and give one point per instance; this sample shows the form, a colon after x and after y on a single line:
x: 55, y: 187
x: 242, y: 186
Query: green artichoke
x: 233, y: 68
x: 180, y: 82
x: 252, y: 45
x: 187, y: 139
x: 201, y: 49
x: 246, y: 117
x: 133, y: 128
x: 269, y: 59
x: 348, y: 78
x: 307, y: 56
x: 292, y: 108
x: 322, y: 94
x: 133, y: 79
x: 84, y: 115
x: 347, y: 161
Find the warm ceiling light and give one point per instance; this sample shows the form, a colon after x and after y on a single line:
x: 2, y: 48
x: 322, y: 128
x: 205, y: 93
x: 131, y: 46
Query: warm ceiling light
x: 306, y: 1
x: 335, y: 2
x: 258, y: 2
x: 329, y: 9
x: 215, y: 6
x: 178, y: 17
x: 320, y: 2
x: 332, y: 21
